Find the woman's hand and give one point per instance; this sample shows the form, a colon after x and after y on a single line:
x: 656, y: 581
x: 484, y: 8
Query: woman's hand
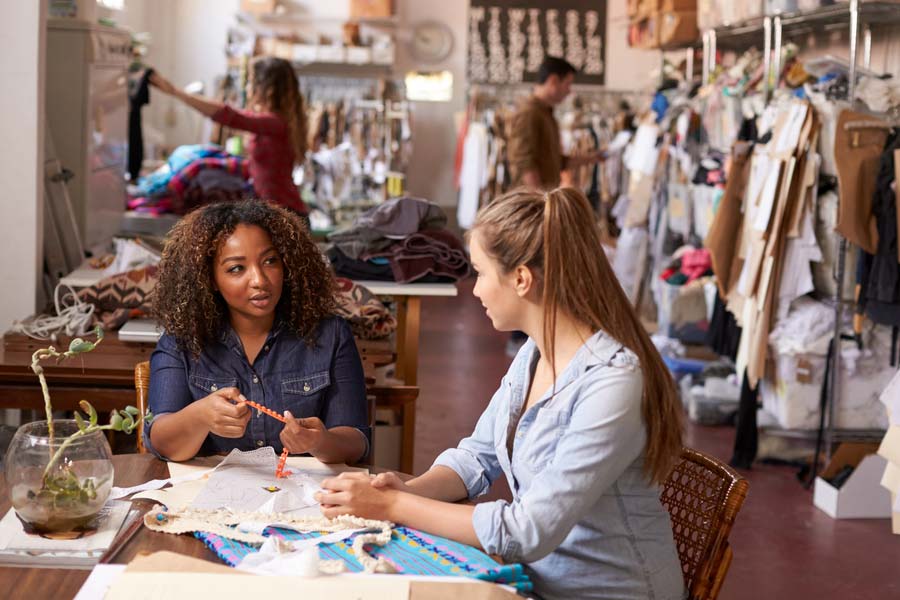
x: 162, y: 84
x: 354, y: 494
x: 225, y: 414
x: 390, y: 481
x: 302, y: 436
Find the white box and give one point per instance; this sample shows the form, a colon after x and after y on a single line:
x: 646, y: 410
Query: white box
x: 330, y: 54
x: 861, y: 496
x: 304, y: 53
x: 357, y: 55
x: 383, y: 54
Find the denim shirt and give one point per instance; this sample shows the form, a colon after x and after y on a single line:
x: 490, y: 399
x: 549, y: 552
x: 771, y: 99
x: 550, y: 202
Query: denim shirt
x: 584, y: 519
x: 325, y: 380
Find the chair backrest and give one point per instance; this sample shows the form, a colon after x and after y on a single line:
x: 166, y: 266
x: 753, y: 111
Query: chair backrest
x: 703, y: 497
x: 142, y: 389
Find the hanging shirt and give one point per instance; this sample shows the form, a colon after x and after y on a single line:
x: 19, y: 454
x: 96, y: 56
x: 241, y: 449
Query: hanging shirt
x: 474, y: 174
x: 270, y: 154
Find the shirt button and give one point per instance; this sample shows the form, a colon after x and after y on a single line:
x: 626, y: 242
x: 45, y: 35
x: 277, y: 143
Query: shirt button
x: 260, y: 443
x: 266, y: 348
x: 255, y: 379
x: 213, y: 388
x: 305, y: 387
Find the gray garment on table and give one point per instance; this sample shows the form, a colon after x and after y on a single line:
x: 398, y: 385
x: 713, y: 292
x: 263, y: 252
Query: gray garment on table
x: 377, y: 228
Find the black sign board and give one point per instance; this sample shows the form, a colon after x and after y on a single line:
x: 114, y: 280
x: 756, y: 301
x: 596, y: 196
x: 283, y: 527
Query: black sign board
x: 508, y: 39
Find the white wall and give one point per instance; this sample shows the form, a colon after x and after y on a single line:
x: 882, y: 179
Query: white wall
x: 21, y: 158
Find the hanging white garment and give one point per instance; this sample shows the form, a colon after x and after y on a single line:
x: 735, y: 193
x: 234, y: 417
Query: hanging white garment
x: 473, y: 175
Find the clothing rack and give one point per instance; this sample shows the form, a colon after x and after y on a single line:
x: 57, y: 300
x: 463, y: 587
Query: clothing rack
x: 773, y: 29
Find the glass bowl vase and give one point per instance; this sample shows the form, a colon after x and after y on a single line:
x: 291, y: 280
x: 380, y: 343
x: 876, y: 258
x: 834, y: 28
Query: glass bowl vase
x: 69, y: 493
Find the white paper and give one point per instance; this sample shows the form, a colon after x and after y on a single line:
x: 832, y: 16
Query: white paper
x: 13, y: 536
x: 890, y: 397
x: 243, y: 482
x: 156, y: 484
x: 99, y: 582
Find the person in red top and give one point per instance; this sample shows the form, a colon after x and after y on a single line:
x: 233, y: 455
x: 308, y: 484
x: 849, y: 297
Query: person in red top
x: 276, y: 119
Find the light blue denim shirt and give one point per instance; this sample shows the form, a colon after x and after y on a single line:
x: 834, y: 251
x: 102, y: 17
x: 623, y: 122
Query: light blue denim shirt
x: 584, y: 519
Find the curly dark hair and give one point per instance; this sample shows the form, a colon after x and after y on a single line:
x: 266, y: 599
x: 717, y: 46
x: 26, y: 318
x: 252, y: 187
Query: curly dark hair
x: 194, y: 313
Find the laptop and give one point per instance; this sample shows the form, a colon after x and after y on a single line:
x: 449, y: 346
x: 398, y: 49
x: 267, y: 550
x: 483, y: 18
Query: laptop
x: 140, y: 330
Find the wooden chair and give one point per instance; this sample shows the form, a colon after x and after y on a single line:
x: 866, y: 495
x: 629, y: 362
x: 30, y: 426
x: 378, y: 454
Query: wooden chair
x: 141, y: 388
x: 703, y: 497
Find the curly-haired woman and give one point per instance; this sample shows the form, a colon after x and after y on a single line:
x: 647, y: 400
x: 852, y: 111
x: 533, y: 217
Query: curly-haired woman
x: 246, y: 302
x: 277, y: 120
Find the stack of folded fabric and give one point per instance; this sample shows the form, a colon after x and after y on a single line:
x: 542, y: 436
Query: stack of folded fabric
x: 192, y: 176
x: 401, y: 240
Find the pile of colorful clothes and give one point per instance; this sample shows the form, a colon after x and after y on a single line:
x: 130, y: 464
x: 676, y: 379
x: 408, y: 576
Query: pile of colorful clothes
x: 687, y: 265
x: 402, y: 240
x: 192, y: 176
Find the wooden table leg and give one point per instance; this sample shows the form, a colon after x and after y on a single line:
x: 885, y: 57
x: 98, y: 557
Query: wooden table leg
x: 408, y: 442
x: 409, y: 311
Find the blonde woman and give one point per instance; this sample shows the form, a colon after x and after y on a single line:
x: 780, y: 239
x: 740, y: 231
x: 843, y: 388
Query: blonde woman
x: 585, y: 426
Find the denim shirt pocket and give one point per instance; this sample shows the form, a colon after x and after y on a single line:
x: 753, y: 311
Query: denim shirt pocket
x: 543, y: 438
x: 202, y: 386
x: 302, y: 393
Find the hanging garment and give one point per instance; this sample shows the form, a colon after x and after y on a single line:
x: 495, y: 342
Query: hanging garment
x: 473, y: 175
x: 880, y: 298
x: 857, y: 154
x: 138, y: 96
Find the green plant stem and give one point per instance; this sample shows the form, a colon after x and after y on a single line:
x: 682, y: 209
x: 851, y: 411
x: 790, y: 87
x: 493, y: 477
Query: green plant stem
x: 39, y: 371
x: 68, y: 441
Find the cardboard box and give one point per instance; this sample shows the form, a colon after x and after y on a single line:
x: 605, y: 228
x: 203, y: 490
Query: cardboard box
x: 861, y: 496
x: 259, y: 7
x: 677, y: 28
x: 371, y: 9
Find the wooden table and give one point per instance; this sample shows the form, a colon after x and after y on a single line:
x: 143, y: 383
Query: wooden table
x: 409, y: 314
x: 130, y: 469
x: 105, y: 377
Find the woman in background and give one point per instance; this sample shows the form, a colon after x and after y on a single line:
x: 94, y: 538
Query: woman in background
x: 275, y: 117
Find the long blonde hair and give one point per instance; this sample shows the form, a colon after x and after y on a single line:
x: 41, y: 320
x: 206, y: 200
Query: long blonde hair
x: 275, y: 85
x: 554, y: 235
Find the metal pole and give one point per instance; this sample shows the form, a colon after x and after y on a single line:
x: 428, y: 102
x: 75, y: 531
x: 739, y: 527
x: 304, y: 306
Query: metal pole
x: 767, y: 56
x: 705, y: 57
x: 777, y: 53
x: 689, y: 66
x: 842, y: 251
x: 867, y: 46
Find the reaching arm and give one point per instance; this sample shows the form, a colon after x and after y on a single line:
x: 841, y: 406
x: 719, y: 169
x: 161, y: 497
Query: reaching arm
x: 205, y: 106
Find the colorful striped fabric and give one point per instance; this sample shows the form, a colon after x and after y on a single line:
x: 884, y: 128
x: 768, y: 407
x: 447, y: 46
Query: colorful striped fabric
x: 410, y: 551
x: 230, y: 164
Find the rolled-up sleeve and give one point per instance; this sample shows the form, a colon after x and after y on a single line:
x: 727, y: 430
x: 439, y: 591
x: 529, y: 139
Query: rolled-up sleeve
x: 168, y: 391
x: 345, y: 403
x: 475, y: 458
x: 605, y: 435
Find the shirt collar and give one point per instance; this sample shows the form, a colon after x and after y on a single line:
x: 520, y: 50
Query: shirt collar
x: 599, y: 349
x: 232, y: 340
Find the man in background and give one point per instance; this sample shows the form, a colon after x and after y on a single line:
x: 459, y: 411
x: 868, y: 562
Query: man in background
x: 535, y: 152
